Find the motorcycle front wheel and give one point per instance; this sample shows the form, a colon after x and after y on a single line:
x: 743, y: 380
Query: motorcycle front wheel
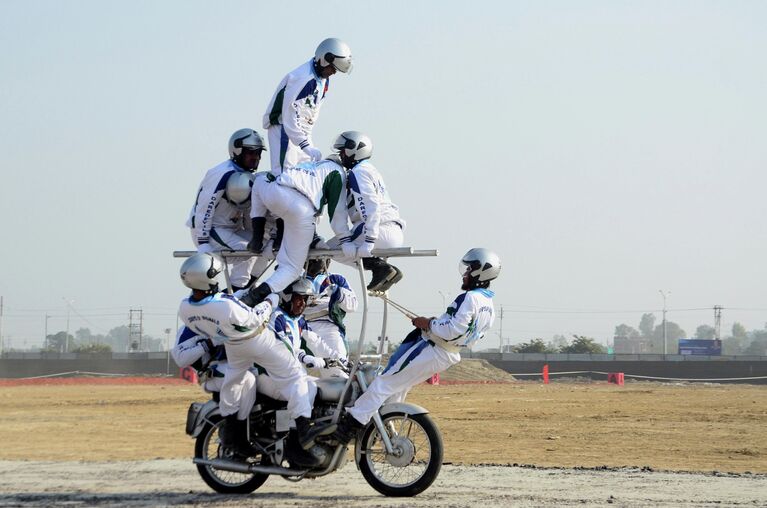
x: 416, y: 460
x: 207, y: 446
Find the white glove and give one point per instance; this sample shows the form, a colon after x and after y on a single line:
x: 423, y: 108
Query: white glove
x: 349, y: 250
x: 313, y: 153
x: 365, y: 250
x: 313, y: 362
x: 273, y: 299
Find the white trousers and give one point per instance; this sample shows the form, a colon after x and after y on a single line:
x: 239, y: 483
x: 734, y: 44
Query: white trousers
x: 390, y: 236
x: 246, y: 387
x: 240, y: 269
x: 273, y: 387
x: 271, y: 354
x: 413, y: 362
x: 282, y: 152
x: 331, y: 336
x: 298, y: 213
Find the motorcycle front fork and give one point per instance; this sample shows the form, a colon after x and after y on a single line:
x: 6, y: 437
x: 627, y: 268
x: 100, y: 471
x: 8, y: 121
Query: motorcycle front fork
x: 382, y: 430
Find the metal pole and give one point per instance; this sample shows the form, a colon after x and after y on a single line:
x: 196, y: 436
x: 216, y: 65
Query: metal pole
x: 66, y: 335
x: 45, y: 339
x: 665, y: 335
x: 500, y: 348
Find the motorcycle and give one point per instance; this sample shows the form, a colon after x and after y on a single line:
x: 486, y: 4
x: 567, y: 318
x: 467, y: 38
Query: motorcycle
x: 399, y: 453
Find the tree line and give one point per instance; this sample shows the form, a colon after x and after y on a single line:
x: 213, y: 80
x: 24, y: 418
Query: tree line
x: 115, y: 340
x: 738, y: 342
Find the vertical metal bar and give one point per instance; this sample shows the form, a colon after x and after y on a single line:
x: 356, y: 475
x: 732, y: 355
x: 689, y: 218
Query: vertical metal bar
x: 383, y: 330
x: 355, y: 361
x: 377, y: 419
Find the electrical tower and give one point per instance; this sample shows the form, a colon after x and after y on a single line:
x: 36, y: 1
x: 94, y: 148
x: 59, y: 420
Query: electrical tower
x: 135, y: 329
x: 717, y: 322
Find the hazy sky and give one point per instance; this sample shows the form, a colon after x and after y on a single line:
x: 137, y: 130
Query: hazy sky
x: 605, y: 150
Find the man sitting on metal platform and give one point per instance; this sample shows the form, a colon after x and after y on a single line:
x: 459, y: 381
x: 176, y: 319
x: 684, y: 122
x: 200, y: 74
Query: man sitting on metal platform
x: 376, y: 222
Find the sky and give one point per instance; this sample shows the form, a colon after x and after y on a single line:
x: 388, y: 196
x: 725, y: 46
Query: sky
x: 605, y: 150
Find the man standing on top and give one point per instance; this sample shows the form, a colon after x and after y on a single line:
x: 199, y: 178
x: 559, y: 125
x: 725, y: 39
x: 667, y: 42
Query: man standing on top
x: 297, y: 196
x: 295, y: 106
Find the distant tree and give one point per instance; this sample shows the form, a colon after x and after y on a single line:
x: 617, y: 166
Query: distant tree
x: 706, y: 332
x: 557, y: 342
x: 624, y: 330
x: 673, y: 333
x: 59, y: 342
x: 738, y: 330
x: 93, y: 348
x: 758, y: 347
x: 583, y: 344
x: 732, y: 346
x: 533, y: 346
x: 647, y: 325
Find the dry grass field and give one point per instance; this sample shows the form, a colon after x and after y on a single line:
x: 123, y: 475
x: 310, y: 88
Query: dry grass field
x: 686, y: 427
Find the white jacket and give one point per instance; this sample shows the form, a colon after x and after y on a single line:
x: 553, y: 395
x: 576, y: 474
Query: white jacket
x: 211, y: 210
x: 296, y: 104
x: 369, y: 202
x: 223, y: 318
x: 466, y: 321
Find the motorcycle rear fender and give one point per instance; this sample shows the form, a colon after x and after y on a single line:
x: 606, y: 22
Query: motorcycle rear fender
x: 396, y: 407
x: 198, y: 414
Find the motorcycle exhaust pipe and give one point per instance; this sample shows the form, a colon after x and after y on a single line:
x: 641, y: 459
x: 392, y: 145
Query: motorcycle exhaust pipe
x: 240, y: 467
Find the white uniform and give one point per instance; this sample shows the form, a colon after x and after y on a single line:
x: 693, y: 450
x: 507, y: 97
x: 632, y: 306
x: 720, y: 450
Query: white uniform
x: 217, y: 224
x: 326, y: 313
x: 190, y: 351
x: 374, y: 217
x: 247, y: 340
x: 423, y: 354
x: 297, y: 196
x: 291, y: 115
x: 301, y: 341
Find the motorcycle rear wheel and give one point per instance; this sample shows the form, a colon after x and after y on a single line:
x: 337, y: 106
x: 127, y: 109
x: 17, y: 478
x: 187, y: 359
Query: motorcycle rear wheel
x: 207, y: 446
x: 418, y: 460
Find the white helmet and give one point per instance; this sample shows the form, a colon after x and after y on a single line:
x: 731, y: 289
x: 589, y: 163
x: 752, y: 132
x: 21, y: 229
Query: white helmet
x: 238, y: 188
x: 245, y: 139
x: 355, y: 145
x: 302, y: 286
x: 334, y: 52
x: 485, y: 266
x: 201, y: 271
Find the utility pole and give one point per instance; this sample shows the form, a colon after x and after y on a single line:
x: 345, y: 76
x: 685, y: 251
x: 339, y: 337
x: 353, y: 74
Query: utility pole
x: 500, y: 317
x: 665, y: 336
x: 135, y: 329
x: 718, y: 322
x: 66, y: 336
x: 45, y: 338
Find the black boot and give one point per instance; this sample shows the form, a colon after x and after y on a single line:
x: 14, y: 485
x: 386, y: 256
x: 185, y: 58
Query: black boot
x: 235, y: 437
x: 383, y: 273
x: 307, y: 432
x: 256, y: 295
x: 298, y: 456
x: 348, y: 428
x: 256, y: 243
x: 390, y: 281
x: 279, y: 231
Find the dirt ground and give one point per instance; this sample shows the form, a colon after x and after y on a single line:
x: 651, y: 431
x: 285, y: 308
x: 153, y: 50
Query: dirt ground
x: 681, y: 427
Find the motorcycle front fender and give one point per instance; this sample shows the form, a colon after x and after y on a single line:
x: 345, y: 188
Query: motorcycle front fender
x: 386, y: 409
x: 198, y: 414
